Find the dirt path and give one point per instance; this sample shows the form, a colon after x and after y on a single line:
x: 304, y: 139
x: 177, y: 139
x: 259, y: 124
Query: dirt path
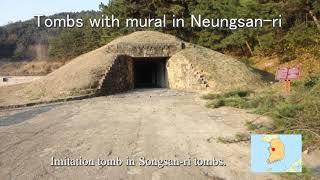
x: 156, y: 124
x: 12, y: 80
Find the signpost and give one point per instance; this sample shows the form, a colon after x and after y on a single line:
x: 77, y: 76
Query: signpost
x: 287, y: 75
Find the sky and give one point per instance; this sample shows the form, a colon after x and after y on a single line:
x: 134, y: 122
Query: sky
x: 15, y: 10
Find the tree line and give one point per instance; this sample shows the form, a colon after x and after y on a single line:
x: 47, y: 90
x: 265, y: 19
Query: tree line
x: 24, y: 40
x: 300, y: 23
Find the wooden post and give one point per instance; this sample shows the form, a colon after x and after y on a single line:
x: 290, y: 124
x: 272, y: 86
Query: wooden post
x: 287, y: 87
x: 284, y: 87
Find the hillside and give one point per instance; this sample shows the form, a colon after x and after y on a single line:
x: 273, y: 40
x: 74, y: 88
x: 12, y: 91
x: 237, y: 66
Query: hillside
x: 25, y: 41
x: 309, y: 64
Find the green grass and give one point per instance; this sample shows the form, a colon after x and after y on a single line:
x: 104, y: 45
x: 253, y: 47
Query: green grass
x: 251, y: 126
x: 306, y: 174
x: 298, y: 113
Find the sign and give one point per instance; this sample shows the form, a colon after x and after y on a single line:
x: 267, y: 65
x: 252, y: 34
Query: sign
x: 293, y: 74
x: 282, y: 74
x: 288, y: 74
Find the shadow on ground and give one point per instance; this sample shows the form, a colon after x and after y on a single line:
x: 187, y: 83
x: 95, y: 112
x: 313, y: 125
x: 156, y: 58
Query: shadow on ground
x: 266, y: 76
x: 25, y: 114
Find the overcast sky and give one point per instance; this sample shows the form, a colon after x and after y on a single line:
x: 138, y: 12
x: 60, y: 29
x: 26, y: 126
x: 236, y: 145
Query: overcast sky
x: 15, y: 10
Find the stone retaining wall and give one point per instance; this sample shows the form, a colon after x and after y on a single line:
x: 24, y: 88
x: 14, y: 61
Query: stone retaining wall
x: 183, y: 75
x: 118, y: 77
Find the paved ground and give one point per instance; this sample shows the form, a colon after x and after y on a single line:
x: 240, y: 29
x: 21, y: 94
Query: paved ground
x: 155, y: 124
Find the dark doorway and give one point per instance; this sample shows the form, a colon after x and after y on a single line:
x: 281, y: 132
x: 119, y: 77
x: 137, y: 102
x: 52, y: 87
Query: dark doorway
x: 150, y: 72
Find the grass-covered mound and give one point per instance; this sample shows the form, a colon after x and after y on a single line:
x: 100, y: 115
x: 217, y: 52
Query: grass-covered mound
x: 219, y: 72
x: 79, y: 77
